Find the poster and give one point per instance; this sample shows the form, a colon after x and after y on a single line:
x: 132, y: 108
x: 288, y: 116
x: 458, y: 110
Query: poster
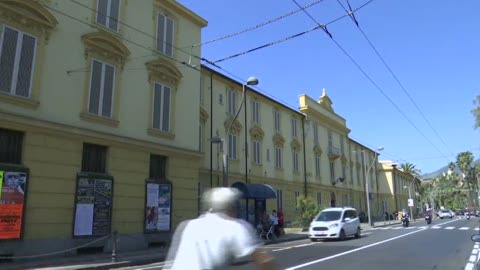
x: 93, y: 206
x: 12, y: 201
x: 158, y: 207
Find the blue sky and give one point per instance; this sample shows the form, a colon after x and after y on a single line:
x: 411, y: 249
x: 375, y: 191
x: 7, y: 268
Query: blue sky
x: 432, y: 47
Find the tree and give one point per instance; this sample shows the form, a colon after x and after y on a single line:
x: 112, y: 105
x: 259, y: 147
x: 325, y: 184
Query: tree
x: 452, y: 166
x: 308, y: 210
x: 476, y: 112
x: 464, y: 163
x: 412, y: 170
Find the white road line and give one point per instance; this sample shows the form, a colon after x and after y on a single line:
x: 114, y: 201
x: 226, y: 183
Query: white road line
x: 408, y: 228
x: 474, y: 251
x: 469, y: 266
x: 367, y: 233
x: 436, y: 227
x: 397, y: 228
x: 353, y: 250
x: 154, y: 265
x: 449, y: 228
x: 385, y: 228
x: 473, y: 258
x: 304, y: 245
x: 423, y: 227
x: 280, y: 249
x: 464, y: 228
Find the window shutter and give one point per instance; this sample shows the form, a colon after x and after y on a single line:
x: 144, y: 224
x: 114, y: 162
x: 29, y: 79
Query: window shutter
x: 157, y: 103
x: 114, y: 11
x: 108, y: 84
x: 166, y: 109
x: 161, y: 33
x: 169, y: 38
x: 7, y: 58
x: 25, y: 69
x: 102, y: 12
x: 95, y: 84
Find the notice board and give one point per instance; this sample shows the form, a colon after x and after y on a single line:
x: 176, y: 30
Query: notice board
x: 13, y: 191
x: 93, y: 205
x: 158, y: 208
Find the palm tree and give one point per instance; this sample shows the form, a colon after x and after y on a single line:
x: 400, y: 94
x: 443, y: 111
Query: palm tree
x: 452, y: 166
x: 412, y: 170
x: 464, y: 163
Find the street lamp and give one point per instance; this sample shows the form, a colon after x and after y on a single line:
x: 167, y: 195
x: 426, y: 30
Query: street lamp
x: 409, y: 197
x: 367, y: 182
x: 250, y: 81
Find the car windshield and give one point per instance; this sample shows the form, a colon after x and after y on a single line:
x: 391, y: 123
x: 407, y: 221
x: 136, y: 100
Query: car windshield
x: 445, y: 211
x: 329, y: 216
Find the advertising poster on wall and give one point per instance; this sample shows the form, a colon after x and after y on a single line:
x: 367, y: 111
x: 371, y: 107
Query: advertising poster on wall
x: 93, y: 206
x: 13, y: 186
x: 158, y: 207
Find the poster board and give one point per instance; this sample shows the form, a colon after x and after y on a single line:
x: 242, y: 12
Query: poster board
x: 13, y: 191
x: 158, y: 207
x: 93, y: 205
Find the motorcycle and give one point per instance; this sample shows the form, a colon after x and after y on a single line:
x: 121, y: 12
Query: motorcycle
x: 405, y: 222
x: 468, y: 215
x: 428, y: 219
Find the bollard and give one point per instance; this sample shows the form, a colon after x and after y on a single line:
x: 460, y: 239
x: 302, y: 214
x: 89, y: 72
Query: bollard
x: 114, y: 247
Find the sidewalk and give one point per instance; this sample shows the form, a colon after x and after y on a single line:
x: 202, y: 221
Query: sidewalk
x: 124, y: 259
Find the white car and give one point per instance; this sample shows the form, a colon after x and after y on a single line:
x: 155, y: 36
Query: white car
x: 445, y: 213
x: 336, y: 223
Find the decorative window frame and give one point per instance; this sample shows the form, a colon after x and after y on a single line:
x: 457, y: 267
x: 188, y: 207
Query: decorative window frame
x: 31, y: 18
x: 122, y: 12
x: 163, y: 71
x: 160, y: 8
x: 105, y: 47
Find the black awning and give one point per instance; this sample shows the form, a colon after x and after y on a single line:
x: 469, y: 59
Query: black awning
x: 255, y: 191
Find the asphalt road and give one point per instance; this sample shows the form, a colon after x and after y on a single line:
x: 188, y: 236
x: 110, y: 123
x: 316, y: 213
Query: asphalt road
x: 445, y: 244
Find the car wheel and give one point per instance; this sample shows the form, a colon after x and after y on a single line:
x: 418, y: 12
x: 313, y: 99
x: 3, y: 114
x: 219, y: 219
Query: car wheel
x: 342, y: 235
x: 313, y: 240
x: 357, y: 235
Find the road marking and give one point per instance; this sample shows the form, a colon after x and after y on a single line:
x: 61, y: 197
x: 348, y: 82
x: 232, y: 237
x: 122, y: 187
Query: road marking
x: 280, y: 249
x: 469, y: 266
x: 423, y: 227
x: 408, y: 228
x: 154, y: 265
x: 397, y: 228
x: 436, y: 227
x: 473, y: 258
x: 367, y: 233
x: 361, y: 248
x: 384, y: 228
x: 464, y: 228
x: 449, y: 228
x: 474, y: 251
x: 304, y: 245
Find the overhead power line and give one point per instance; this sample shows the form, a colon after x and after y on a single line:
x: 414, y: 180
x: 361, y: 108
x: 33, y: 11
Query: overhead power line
x: 320, y: 26
x: 374, y: 83
x: 352, y: 16
x: 258, y: 25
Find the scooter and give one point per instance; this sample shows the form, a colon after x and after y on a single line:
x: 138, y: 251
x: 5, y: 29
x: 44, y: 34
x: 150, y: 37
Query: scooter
x: 428, y: 219
x: 405, y: 221
x: 468, y: 215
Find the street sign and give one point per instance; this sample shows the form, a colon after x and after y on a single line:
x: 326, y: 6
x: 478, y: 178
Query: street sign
x: 410, y: 202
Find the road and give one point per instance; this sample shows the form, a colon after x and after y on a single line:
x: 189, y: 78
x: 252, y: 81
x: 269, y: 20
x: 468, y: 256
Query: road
x: 445, y: 244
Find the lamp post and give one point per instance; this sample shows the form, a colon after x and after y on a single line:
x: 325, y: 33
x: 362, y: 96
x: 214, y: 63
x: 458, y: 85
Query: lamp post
x: 409, y: 198
x: 367, y: 182
x: 250, y: 81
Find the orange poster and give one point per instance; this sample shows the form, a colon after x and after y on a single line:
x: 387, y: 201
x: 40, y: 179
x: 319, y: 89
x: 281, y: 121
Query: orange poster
x: 11, y: 221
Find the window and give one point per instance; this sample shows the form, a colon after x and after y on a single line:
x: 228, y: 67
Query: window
x: 295, y: 161
x: 200, y: 137
x: 276, y: 115
x: 165, y: 35
x: 158, y: 167
x: 351, y: 172
x: 11, y: 146
x: 232, y: 102
x: 330, y: 138
x: 315, y: 135
x: 319, y: 198
x: 161, y: 107
x: 332, y: 171
x: 94, y: 158
x: 358, y: 176
x: 256, y: 112
x: 17, y: 54
x: 279, y: 199
x: 297, y: 197
x: 202, y: 89
x: 294, y: 127
x: 342, y: 146
x: 220, y: 99
x: 102, y: 85
x: 232, y: 146
x: 278, y: 157
x: 256, y: 152
x: 268, y: 155
x: 107, y: 13
x: 317, y: 166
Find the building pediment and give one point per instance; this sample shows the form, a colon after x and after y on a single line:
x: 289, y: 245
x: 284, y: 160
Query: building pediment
x: 317, y: 150
x: 28, y: 14
x: 203, y: 115
x: 296, y: 145
x: 278, y: 140
x: 236, y: 126
x: 105, y: 45
x: 257, y: 133
x: 164, y: 70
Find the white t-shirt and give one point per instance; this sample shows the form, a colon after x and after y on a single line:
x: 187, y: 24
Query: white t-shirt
x: 213, y: 241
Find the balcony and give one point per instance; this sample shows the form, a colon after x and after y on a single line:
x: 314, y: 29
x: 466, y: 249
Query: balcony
x: 333, y: 152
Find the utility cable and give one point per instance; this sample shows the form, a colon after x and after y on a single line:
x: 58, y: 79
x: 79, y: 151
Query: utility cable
x: 352, y: 16
x: 320, y: 26
x: 258, y: 25
x: 374, y: 83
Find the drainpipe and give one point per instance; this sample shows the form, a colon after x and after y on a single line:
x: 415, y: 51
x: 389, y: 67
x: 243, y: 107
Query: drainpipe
x: 246, y: 135
x: 304, y: 157
x: 211, y: 129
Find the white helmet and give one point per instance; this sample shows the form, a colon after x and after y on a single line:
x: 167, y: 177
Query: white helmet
x: 220, y: 199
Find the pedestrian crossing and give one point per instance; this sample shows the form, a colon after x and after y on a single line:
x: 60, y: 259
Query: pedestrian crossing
x: 431, y: 227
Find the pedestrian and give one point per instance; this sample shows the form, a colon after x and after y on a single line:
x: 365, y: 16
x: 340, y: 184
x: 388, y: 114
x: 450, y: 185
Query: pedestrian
x: 280, y: 221
x: 274, y: 221
x: 216, y: 238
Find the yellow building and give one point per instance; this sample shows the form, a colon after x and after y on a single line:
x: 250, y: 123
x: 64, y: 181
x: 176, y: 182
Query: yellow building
x: 90, y: 112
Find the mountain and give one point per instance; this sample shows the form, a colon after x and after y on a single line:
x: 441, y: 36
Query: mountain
x: 444, y: 169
